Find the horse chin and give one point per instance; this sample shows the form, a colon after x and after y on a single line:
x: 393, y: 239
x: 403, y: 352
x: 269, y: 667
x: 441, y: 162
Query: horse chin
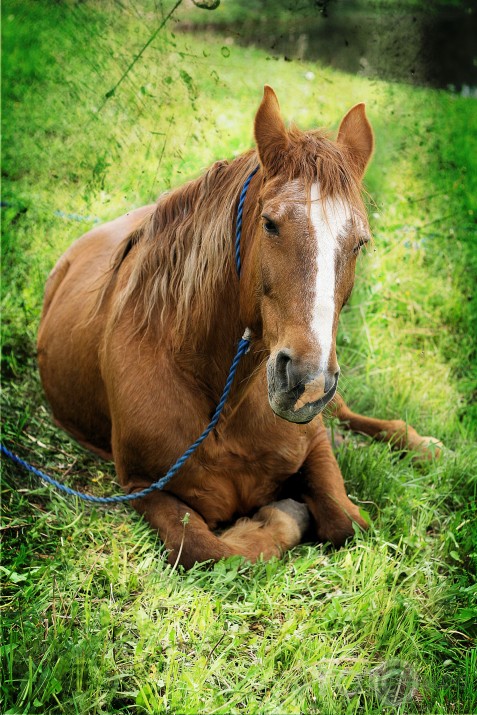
x: 283, y: 406
x: 302, y: 415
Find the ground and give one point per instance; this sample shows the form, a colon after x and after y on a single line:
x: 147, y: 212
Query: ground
x: 94, y: 619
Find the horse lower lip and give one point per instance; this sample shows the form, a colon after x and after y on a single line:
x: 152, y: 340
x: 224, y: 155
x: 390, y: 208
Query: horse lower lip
x: 302, y: 415
x: 284, y: 408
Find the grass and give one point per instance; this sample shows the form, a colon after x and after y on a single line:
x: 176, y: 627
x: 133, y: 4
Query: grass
x: 94, y: 620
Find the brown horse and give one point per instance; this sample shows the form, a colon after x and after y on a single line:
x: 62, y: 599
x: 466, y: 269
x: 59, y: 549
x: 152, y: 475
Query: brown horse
x: 142, y: 317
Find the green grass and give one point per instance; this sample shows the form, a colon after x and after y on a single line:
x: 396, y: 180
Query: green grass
x: 94, y: 620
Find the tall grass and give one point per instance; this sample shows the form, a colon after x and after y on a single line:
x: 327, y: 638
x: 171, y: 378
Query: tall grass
x: 94, y: 620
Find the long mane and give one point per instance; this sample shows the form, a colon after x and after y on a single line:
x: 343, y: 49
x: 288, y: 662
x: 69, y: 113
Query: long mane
x: 183, y: 251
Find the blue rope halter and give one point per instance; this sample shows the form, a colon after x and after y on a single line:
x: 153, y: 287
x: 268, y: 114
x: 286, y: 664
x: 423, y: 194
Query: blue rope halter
x: 238, y: 226
x: 243, y: 347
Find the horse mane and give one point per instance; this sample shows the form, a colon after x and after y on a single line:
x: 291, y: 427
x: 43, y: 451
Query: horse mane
x: 183, y: 250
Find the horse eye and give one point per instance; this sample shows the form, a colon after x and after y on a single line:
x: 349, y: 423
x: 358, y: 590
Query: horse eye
x: 362, y: 242
x: 269, y: 226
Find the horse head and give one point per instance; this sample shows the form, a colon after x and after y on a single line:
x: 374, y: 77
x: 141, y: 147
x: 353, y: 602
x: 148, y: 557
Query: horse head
x: 308, y: 230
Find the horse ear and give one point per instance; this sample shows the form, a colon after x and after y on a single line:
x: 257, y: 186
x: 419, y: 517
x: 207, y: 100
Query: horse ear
x: 355, y: 132
x: 270, y: 131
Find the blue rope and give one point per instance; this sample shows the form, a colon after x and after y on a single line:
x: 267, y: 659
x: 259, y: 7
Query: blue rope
x: 238, y: 226
x: 61, y: 214
x: 243, y: 347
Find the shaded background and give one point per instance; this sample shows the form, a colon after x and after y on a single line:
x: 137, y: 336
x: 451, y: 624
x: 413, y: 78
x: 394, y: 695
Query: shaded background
x: 428, y: 43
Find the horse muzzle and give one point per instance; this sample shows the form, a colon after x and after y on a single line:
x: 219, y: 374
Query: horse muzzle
x: 296, y: 392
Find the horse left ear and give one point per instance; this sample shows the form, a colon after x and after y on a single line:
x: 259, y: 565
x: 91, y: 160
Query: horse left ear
x: 270, y: 132
x: 355, y: 132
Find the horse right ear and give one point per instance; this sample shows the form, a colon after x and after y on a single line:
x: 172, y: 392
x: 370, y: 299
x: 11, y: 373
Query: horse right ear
x: 270, y: 132
x: 355, y: 132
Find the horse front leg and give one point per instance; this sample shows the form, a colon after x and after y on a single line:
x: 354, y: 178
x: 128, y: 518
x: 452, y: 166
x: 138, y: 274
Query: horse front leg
x: 271, y: 531
x: 274, y: 529
x: 396, y: 432
x: 334, y: 514
x: 184, y: 532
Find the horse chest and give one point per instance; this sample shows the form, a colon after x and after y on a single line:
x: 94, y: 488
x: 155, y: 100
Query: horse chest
x: 245, y: 468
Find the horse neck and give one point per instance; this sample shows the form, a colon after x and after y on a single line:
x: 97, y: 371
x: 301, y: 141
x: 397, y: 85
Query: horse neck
x: 207, y: 355
x: 210, y: 344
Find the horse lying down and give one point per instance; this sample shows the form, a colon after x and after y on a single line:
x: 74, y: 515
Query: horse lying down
x: 142, y: 317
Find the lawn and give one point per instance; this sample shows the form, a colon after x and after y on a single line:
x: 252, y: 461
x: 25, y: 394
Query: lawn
x: 94, y: 620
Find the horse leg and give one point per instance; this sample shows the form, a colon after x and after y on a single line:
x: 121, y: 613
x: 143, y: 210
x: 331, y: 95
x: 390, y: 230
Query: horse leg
x: 187, y: 537
x: 184, y: 533
x: 326, y: 498
x: 396, y: 432
x: 275, y: 528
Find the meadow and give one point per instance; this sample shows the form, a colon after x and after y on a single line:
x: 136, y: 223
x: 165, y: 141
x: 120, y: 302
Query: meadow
x: 94, y: 620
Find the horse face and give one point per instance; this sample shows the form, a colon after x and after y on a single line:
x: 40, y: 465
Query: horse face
x: 307, y: 264
x: 307, y: 257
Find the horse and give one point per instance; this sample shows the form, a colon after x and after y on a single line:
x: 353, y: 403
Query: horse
x: 140, y: 322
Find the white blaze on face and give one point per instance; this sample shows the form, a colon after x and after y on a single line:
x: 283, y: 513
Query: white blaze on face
x: 328, y: 219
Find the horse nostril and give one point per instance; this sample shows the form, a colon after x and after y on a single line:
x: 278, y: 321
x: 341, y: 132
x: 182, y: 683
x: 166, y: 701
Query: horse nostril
x: 290, y: 374
x: 331, y: 380
x: 283, y: 367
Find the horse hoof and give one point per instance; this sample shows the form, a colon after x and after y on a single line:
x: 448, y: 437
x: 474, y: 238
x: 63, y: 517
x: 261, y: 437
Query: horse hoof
x: 428, y: 448
x: 295, y: 510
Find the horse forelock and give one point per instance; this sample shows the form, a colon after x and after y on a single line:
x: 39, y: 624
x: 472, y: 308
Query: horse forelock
x: 183, y: 251
x: 313, y: 158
